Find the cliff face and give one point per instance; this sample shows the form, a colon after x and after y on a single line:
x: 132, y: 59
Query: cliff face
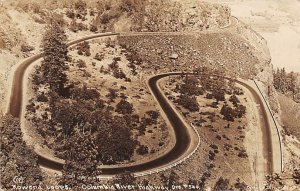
x: 179, y: 16
x: 162, y: 15
x: 264, y: 74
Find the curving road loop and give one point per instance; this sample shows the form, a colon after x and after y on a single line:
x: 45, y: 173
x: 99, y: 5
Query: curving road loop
x: 183, y: 136
x: 186, y: 137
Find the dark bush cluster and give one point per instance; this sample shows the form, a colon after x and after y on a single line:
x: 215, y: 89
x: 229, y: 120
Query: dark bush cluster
x: 229, y: 113
x: 75, y: 26
x: 286, y: 83
x: 296, y: 176
x: 70, y: 14
x: 142, y: 150
x: 124, y: 107
x: 191, y: 86
x: 17, y: 160
x: 42, y: 97
x: 233, y: 98
x: 188, y: 102
x: 218, y: 94
x: 93, y: 28
x: 222, y: 184
x: 81, y: 64
x: 242, y: 153
x: 84, y: 48
x: 117, y: 72
x: 99, y: 56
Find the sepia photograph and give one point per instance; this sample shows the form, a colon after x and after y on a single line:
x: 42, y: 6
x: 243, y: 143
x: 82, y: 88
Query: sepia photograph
x: 150, y: 95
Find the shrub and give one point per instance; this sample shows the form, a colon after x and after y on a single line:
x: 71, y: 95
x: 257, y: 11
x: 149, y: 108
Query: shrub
x: 142, y: 150
x: 188, y: 102
x: 127, y: 80
x: 99, y: 56
x: 153, y: 114
x: 31, y: 108
x: 214, y: 104
x: 42, y: 98
x: 234, y: 100
x: 209, y: 96
x: 211, y: 155
x: 218, y: 94
x: 112, y: 94
x: 240, y: 111
x: 73, y: 26
x: 124, y: 107
x: 222, y: 184
x: 114, y: 65
x: 105, y: 18
x: 296, y: 176
x: 80, y: 6
x: 70, y: 14
x: 93, y: 28
x: 17, y: 159
x: 81, y: 64
x: 84, y: 48
x: 214, y: 147
x: 92, y: 13
x: 117, y: 59
x: 228, y: 113
x: 81, y: 27
x: 119, y: 74
x: 84, y: 93
x: 242, y: 153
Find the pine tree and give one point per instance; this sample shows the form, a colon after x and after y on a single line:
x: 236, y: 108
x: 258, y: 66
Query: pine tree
x: 55, y: 56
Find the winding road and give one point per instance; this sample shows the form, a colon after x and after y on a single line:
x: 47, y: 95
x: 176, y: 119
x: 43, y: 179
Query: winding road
x: 182, y: 135
x: 186, y: 137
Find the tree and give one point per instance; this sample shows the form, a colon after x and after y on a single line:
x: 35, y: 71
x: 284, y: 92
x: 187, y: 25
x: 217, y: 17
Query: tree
x: 188, y: 102
x: 228, y: 113
x: 81, y: 163
x: 17, y: 159
x: 234, y: 100
x: 112, y: 95
x: 84, y: 48
x: 114, y: 141
x: 283, y: 81
x: 55, y: 57
x: 81, y: 7
x: 153, y: 114
x: 93, y: 28
x: 84, y: 93
x: 240, y: 110
x: 124, y: 107
x: 218, y: 94
x: 142, y: 150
